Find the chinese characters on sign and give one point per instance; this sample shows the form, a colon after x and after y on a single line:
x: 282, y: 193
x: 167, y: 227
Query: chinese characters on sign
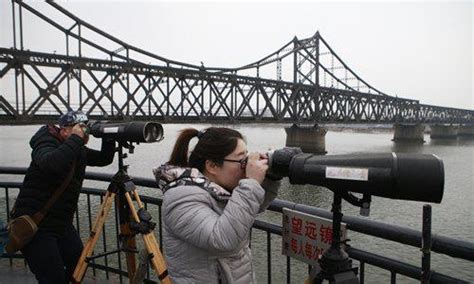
x: 306, y: 237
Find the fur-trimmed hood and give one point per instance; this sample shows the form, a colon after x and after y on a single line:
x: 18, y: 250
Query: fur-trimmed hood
x: 168, y: 176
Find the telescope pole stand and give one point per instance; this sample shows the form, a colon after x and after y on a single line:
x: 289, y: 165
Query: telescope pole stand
x: 335, y: 264
x: 121, y: 189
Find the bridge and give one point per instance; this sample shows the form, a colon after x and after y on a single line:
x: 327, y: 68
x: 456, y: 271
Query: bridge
x: 304, y: 81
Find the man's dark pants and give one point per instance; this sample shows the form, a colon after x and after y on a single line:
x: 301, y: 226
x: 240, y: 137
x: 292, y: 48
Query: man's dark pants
x: 52, y: 257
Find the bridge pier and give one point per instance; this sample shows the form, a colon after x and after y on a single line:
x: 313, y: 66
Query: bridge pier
x: 408, y: 132
x: 309, y: 139
x: 443, y: 131
x: 466, y: 131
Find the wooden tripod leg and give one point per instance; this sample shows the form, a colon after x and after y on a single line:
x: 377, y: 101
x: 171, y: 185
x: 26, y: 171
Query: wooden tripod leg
x: 81, y: 266
x: 126, y: 232
x: 157, y: 260
x: 153, y: 242
x: 140, y: 205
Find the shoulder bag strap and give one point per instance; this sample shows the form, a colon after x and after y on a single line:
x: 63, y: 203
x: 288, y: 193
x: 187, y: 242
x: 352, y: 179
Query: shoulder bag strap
x: 38, y: 216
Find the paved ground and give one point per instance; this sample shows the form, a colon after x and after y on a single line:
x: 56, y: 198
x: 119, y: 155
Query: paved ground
x: 15, y: 275
x: 19, y: 274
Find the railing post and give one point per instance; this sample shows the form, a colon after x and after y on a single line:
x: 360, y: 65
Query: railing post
x: 393, y: 277
x: 7, y: 199
x: 426, y: 245
x: 269, y: 257
x: 288, y: 270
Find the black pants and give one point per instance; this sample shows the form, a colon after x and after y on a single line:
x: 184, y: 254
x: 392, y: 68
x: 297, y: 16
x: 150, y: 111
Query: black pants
x: 52, y: 257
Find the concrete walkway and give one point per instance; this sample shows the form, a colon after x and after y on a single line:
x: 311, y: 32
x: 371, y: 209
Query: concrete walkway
x: 19, y: 274
x: 15, y: 275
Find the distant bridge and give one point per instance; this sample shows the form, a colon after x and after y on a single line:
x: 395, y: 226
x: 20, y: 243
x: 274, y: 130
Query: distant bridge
x: 304, y: 81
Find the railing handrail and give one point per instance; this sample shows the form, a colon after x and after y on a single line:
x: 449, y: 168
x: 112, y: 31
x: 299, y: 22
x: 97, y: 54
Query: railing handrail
x: 441, y: 244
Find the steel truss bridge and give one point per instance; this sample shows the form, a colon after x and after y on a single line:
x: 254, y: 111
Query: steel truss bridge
x: 304, y: 81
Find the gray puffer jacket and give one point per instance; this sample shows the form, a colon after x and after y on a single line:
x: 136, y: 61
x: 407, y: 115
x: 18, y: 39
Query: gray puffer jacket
x: 206, y: 229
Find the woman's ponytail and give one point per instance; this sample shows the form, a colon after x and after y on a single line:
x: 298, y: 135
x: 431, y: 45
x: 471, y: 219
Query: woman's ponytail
x: 214, y: 144
x: 179, y: 156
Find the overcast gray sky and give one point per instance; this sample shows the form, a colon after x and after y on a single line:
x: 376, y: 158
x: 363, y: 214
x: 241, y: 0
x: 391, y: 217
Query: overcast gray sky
x: 417, y: 50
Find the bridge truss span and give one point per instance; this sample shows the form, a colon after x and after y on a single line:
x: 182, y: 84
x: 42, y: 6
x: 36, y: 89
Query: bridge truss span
x: 304, y: 81
x: 116, y: 89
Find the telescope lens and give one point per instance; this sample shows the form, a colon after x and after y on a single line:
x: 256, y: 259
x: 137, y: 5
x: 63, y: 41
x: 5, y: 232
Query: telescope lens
x: 151, y: 133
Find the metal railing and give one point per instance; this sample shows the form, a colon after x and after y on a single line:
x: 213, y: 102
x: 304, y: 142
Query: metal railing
x: 113, y: 267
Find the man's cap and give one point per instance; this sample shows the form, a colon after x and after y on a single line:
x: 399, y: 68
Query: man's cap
x: 71, y: 118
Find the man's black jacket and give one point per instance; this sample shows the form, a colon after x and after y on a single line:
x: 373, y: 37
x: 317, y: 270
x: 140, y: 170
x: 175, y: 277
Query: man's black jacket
x: 51, y: 160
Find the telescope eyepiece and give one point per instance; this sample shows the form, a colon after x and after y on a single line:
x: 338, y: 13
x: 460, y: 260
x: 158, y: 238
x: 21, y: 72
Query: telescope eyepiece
x: 279, y: 161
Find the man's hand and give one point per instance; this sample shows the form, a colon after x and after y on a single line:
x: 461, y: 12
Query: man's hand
x: 77, y: 129
x: 257, y: 166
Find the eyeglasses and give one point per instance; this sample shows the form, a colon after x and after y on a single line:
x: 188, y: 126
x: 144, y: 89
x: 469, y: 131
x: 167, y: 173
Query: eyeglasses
x: 243, y: 162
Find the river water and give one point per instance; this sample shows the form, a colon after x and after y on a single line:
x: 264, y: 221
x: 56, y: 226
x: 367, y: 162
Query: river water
x: 453, y: 217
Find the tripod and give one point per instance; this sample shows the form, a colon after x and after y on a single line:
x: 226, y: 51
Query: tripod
x: 121, y: 189
x: 335, y: 264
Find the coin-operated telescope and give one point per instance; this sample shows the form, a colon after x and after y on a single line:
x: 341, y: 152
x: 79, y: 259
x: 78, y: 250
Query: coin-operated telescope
x: 417, y: 177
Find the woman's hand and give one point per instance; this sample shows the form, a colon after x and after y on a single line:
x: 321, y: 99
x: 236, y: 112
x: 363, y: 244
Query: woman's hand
x: 257, y: 166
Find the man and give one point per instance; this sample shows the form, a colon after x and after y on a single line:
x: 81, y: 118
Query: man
x: 55, y: 249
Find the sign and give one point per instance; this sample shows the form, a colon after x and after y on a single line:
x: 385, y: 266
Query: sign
x: 347, y: 173
x: 306, y: 237
x: 111, y: 129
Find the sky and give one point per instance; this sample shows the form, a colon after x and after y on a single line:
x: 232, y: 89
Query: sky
x: 418, y: 50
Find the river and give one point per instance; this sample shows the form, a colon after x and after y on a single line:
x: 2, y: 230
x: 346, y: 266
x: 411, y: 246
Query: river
x: 453, y: 217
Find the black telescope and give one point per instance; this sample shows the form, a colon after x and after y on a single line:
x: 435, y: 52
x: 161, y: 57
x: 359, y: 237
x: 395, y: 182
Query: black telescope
x: 134, y: 131
x: 418, y: 177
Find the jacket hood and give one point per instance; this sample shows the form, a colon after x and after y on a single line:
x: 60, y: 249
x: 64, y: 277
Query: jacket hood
x: 168, y: 176
x: 46, y: 132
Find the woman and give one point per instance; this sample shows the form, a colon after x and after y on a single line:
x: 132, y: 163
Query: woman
x: 209, y: 205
